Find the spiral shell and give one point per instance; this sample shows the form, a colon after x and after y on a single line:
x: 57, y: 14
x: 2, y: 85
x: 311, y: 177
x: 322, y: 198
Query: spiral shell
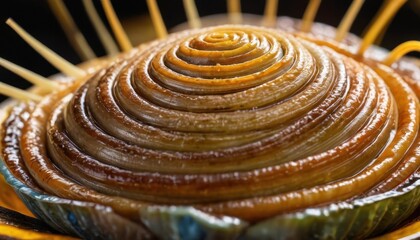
x: 240, y: 121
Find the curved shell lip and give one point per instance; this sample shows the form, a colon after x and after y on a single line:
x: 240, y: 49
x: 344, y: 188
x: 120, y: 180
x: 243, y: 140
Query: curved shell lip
x: 91, y: 220
x: 40, y: 204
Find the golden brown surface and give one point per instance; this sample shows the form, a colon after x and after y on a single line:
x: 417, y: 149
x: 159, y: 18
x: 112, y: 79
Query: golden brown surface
x: 194, y: 118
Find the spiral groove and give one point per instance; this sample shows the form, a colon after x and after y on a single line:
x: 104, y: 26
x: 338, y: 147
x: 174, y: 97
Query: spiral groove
x: 196, y: 117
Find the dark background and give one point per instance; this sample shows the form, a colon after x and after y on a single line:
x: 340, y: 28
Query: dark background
x: 36, y: 17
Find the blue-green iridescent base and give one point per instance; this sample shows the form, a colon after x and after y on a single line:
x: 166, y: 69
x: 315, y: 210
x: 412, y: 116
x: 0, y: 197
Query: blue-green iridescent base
x: 345, y: 220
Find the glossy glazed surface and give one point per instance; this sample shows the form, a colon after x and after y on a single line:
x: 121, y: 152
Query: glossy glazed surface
x: 176, y: 129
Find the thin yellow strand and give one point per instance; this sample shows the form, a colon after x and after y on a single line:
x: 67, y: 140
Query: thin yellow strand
x: 270, y: 13
x: 401, y: 50
x: 30, y: 76
x: 309, y: 15
x: 17, y: 93
x: 348, y: 20
x: 14, y: 232
x: 192, y: 14
x: 375, y: 18
x: 76, y: 38
x: 234, y: 11
x: 116, y: 26
x: 52, y: 57
x: 373, y: 32
x: 104, y: 36
x: 157, y: 20
x: 381, y: 35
